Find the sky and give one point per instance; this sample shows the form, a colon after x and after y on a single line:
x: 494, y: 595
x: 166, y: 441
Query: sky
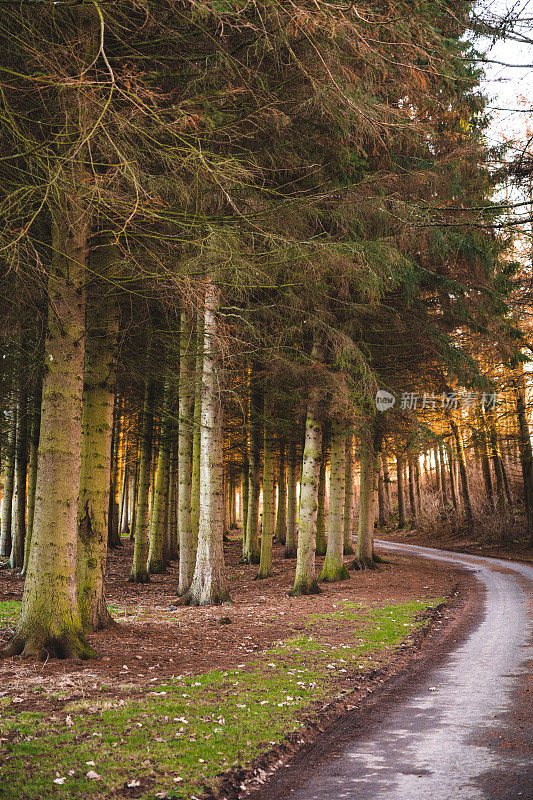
x: 509, y: 86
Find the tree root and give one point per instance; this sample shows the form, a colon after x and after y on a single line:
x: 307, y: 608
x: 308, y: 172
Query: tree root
x: 334, y: 574
x: 362, y: 564
x: 41, y: 648
x: 141, y: 577
x: 304, y: 587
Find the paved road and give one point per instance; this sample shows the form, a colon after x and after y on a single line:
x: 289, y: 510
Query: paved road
x: 465, y: 731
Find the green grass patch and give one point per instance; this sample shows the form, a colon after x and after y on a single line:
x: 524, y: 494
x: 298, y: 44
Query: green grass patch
x: 182, y: 734
x: 9, y: 611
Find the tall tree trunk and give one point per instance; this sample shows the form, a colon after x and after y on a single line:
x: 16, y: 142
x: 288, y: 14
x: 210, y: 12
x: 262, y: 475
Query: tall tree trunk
x: 442, y: 464
x: 292, y: 485
x: 9, y: 482
x: 281, y: 518
x: 187, y: 392
x: 412, y: 489
x: 124, y: 523
x: 386, y: 486
x: 139, y: 572
x: 195, y: 469
x: 451, y: 473
x: 173, y: 536
x: 321, y: 511
x: 305, y: 581
x: 113, y: 530
x: 32, y: 470
x: 16, y: 560
x: 208, y: 584
x: 485, y: 462
x: 49, y: 621
x: 135, y: 489
x: 369, y: 466
x: 382, y: 503
x: 401, y: 490
x: 526, y: 452
x: 334, y: 568
x: 251, y: 552
x: 265, y: 563
x: 437, y: 472
x: 158, y: 528
x: 462, y: 471
x: 496, y: 462
x: 96, y: 433
x: 349, y: 496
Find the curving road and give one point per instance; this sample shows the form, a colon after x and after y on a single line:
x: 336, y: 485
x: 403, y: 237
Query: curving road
x: 465, y: 732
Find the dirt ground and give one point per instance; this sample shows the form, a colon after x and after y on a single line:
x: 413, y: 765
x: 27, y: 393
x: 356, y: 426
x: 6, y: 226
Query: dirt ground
x: 155, y: 640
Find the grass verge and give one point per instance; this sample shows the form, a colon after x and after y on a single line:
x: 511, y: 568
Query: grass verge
x: 173, y: 739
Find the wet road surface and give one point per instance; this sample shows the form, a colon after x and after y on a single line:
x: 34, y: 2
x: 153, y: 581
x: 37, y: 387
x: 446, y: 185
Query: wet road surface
x: 465, y: 731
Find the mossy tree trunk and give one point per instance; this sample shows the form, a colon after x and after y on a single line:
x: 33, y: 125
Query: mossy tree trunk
x: 9, y: 481
x: 251, y: 551
x: 349, y: 499
x: 369, y: 466
x: 32, y: 470
x: 451, y: 473
x: 334, y: 568
x: 386, y: 485
x: 292, y: 485
x: 412, y: 489
x: 208, y: 585
x: 96, y: 434
x: 173, y: 535
x: 16, y: 560
x: 49, y: 622
x: 188, y: 533
x: 281, y: 517
x: 156, y: 560
x: 269, y: 500
x: 113, y: 528
x: 382, y: 501
x: 305, y: 580
x: 321, y: 511
x: 195, y: 477
x: 400, y: 489
x: 139, y: 572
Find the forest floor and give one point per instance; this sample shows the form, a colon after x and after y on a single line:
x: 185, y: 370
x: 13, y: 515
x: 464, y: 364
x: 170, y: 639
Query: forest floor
x: 463, y: 540
x: 191, y: 700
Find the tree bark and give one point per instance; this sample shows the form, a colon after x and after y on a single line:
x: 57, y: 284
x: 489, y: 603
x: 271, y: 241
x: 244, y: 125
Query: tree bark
x: 369, y: 466
x: 526, y: 453
x: 96, y: 434
x: 32, y: 471
x: 187, y: 533
x: 281, y: 518
x: 305, y: 581
x: 349, y: 497
x: 462, y: 471
x: 49, y: 622
x: 334, y: 568
x: 401, y: 491
x: 139, y: 572
x: 251, y: 551
x: 9, y: 482
x: 321, y: 511
x: 156, y: 558
x: 16, y: 560
x: 265, y: 563
x: 292, y: 485
x: 208, y: 585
